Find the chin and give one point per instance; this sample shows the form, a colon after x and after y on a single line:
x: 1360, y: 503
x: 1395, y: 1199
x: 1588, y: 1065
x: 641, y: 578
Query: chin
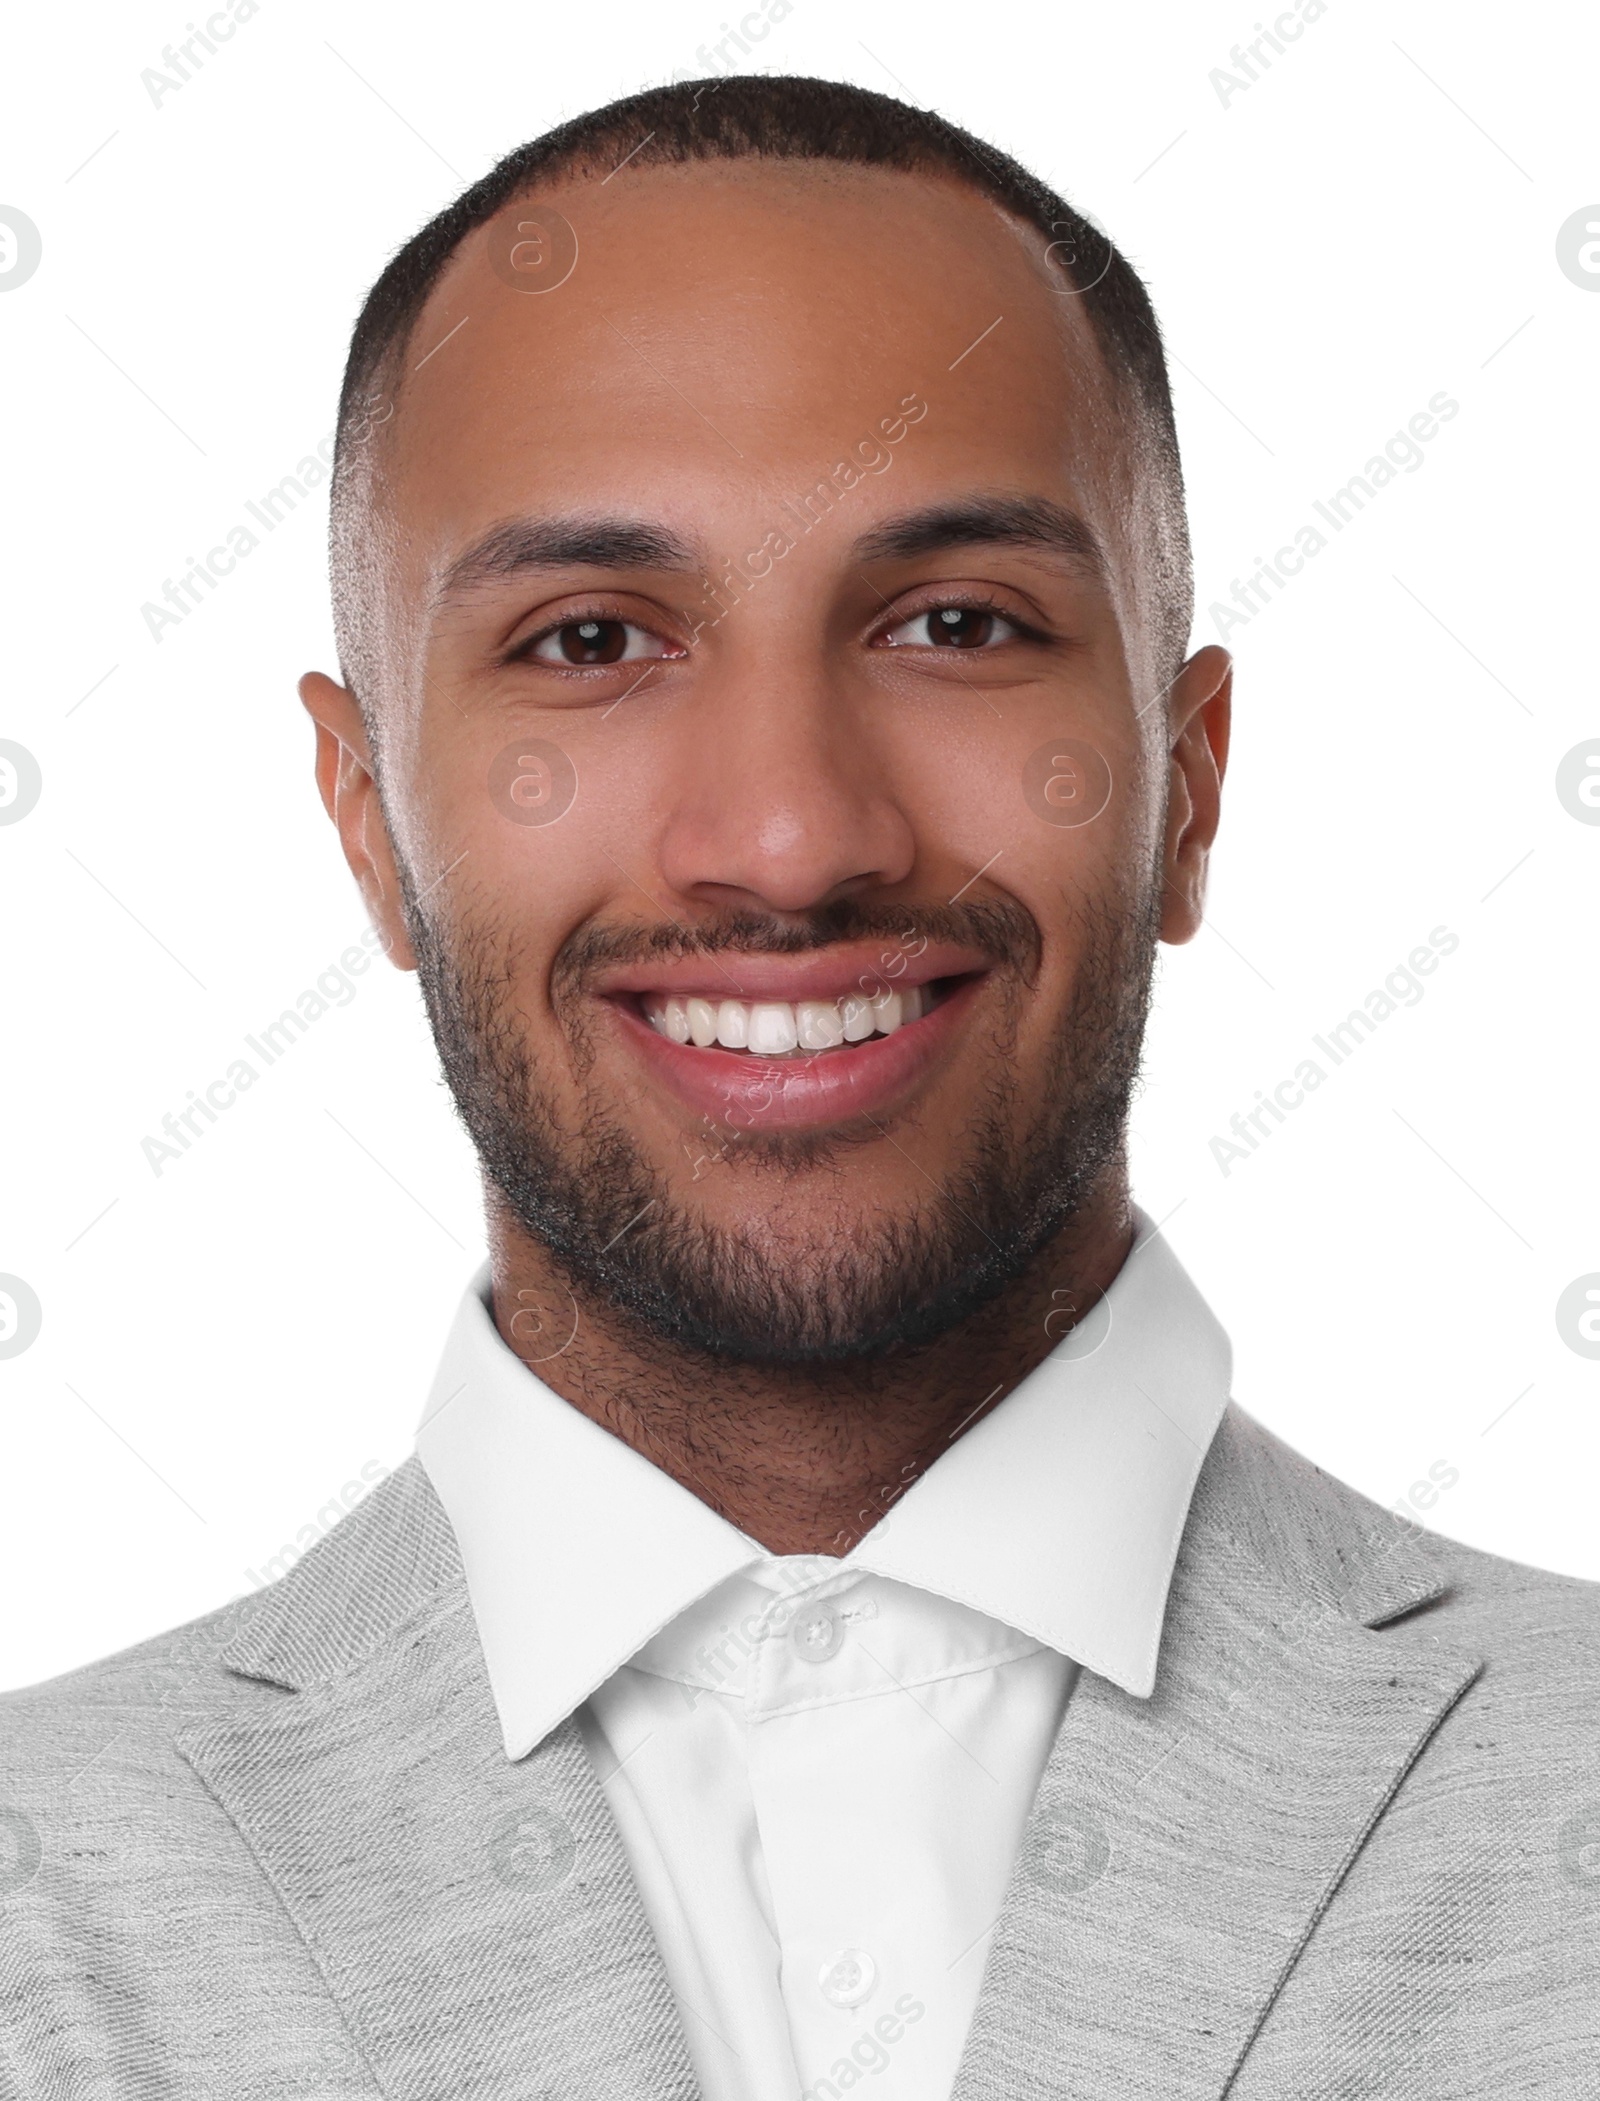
x: 842, y: 1295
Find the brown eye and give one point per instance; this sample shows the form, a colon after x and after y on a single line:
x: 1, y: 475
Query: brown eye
x: 954, y: 627
x: 959, y: 627
x: 593, y: 641
x: 588, y: 642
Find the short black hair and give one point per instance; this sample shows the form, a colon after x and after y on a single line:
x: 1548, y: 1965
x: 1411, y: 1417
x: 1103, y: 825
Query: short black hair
x: 792, y: 117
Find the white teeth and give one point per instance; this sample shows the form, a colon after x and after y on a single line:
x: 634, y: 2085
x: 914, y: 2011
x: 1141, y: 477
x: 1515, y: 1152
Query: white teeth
x: 859, y: 1019
x: 772, y: 1028
x: 819, y: 1024
x: 887, y: 1011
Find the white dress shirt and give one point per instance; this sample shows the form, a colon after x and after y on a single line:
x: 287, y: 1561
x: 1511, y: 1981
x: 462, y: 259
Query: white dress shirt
x: 821, y: 1767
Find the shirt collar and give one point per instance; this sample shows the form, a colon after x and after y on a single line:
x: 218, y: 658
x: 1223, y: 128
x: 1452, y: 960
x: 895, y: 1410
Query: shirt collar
x: 1059, y: 1513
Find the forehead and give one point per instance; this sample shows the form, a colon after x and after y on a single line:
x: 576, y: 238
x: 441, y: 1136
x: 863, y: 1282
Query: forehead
x: 728, y: 329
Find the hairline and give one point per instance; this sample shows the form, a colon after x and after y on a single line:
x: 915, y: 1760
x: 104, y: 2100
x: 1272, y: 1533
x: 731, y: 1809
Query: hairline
x: 1148, y: 451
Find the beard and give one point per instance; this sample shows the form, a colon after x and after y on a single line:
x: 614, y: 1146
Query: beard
x: 862, y: 1284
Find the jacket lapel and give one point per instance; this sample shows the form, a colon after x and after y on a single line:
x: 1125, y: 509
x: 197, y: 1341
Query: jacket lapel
x: 1182, y: 1848
x: 474, y: 1919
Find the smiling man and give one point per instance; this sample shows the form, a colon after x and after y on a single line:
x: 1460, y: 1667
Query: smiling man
x: 835, y: 1631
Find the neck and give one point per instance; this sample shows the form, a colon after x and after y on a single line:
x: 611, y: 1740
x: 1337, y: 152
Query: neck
x: 804, y: 1460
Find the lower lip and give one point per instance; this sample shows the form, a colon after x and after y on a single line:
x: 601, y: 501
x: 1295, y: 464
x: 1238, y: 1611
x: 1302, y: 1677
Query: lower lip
x: 747, y: 1093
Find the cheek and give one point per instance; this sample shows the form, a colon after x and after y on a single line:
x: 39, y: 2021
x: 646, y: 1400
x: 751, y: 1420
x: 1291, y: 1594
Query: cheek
x: 538, y: 797
x: 1040, y: 811
x: 1085, y: 883
x: 512, y: 834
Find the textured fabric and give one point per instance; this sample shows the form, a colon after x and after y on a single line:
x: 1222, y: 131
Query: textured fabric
x: 793, y: 1815
x: 1349, y: 1848
x: 1287, y: 1874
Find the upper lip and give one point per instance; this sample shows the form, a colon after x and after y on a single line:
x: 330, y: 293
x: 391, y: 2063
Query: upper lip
x: 828, y: 974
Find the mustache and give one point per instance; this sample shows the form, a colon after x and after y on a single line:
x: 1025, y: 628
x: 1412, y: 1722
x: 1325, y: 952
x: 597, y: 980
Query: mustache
x: 1001, y: 930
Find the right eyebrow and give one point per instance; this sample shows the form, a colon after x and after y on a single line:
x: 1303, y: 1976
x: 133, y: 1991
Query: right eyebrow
x: 524, y: 546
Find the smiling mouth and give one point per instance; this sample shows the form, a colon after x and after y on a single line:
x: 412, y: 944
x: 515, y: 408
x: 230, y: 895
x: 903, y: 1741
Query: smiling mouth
x: 777, y: 1028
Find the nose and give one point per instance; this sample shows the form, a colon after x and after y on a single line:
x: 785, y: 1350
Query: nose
x: 782, y: 793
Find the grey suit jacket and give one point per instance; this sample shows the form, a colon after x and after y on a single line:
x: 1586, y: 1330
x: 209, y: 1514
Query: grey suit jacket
x: 1349, y: 1848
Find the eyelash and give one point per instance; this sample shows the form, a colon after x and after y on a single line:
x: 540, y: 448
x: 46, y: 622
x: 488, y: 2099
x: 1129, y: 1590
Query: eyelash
x: 523, y: 652
x: 1024, y: 630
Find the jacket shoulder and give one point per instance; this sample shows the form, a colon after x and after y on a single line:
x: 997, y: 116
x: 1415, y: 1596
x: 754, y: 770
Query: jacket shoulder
x: 363, y: 1578
x: 1532, y: 1627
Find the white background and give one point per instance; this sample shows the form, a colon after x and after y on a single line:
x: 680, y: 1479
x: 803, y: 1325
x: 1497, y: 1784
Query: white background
x: 1372, y: 221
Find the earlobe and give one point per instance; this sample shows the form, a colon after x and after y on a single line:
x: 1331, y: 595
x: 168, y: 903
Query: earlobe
x: 1200, y: 722
x: 347, y: 781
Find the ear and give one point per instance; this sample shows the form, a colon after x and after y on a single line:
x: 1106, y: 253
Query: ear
x: 1199, y: 716
x: 348, y: 781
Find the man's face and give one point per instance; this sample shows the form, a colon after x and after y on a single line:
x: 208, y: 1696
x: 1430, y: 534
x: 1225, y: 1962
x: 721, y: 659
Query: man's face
x: 775, y: 757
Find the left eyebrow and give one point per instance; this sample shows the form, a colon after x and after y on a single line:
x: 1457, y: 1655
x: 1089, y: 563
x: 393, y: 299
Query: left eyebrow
x: 1031, y: 522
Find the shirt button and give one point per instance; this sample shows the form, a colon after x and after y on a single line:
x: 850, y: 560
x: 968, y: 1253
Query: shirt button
x: 849, y: 1978
x: 816, y: 1632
